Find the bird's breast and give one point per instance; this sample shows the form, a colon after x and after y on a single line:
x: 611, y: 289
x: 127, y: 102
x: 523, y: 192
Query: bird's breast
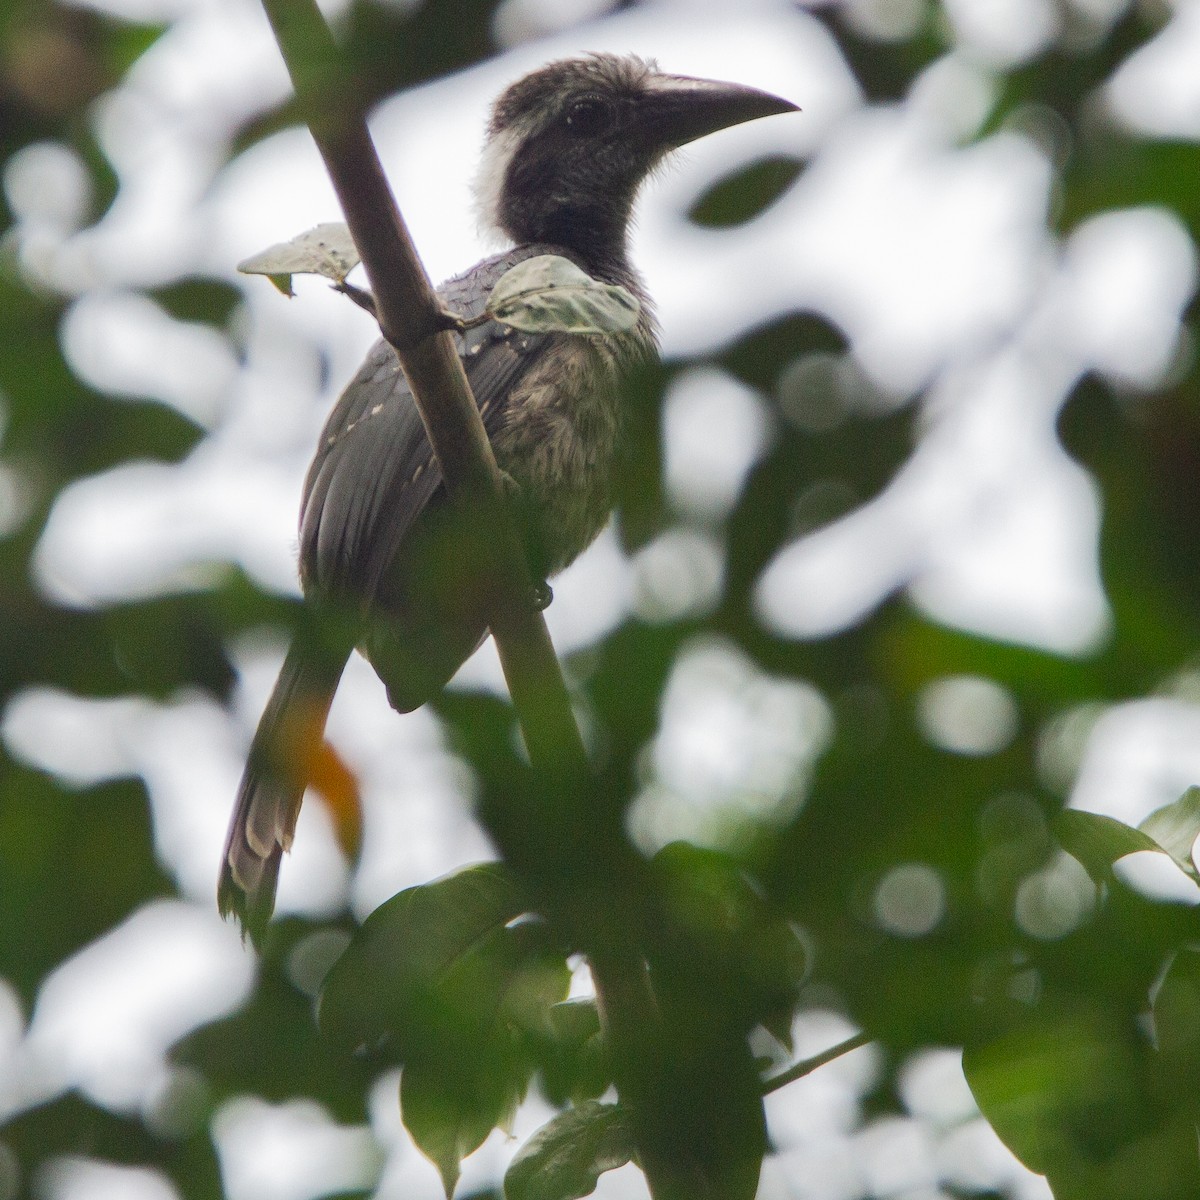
x: 559, y: 440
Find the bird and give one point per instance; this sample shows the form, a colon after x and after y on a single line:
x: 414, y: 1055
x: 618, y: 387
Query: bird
x: 565, y: 152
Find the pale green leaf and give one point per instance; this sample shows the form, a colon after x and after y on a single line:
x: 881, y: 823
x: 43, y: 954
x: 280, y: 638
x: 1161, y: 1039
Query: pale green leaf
x: 326, y: 250
x: 550, y: 294
x: 1176, y: 827
x: 1097, y: 842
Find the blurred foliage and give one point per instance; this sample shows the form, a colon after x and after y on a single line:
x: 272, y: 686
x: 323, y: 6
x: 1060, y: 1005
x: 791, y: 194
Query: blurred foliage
x: 1081, y: 1047
x: 746, y: 193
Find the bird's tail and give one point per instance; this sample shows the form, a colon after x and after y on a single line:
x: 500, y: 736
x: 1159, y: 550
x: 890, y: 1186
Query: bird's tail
x: 289, y: 733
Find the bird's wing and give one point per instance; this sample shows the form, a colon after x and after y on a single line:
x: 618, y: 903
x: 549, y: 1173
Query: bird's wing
x: 374, y: 470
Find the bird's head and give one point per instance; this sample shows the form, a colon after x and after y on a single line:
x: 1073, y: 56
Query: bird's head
x: 568, y: 145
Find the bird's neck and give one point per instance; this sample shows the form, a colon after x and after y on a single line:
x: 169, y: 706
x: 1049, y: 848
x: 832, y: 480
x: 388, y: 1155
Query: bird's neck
x: 597, y: 237
x: 603, y: 254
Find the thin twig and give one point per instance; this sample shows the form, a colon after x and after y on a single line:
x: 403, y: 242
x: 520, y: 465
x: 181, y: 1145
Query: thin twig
x: 360, y: 296
x: 809, y: 1065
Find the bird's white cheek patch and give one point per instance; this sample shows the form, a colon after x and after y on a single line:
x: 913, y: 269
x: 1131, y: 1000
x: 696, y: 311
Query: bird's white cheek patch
x: 489, y: 180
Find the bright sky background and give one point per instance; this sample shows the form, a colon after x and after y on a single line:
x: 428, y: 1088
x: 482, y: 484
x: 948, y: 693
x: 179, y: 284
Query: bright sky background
x: 930, y: 254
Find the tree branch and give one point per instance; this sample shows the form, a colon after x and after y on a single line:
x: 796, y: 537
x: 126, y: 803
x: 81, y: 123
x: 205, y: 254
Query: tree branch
x: 808, y: 1065
x: 412, y: 319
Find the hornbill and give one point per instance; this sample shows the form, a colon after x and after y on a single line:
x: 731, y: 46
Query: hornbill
x: 566, y: 149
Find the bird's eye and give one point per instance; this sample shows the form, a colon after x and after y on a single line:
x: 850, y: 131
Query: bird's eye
x: 590, y: 115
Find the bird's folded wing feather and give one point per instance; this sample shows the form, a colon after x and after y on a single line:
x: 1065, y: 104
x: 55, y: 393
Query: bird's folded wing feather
x: 374, y: 471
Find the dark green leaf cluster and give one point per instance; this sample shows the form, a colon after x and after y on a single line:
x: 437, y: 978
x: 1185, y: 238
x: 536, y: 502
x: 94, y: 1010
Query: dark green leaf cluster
x: 457, y: 982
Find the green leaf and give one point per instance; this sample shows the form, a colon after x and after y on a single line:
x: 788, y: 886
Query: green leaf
x: 1097, y: 842
x: 1012, y: 1087
x: 575, y: 1065
x: 745, y: 194
x: 575, y: 1020
x: 565, y: 1158
x: 418, y: 958
x: 1176, y: 827
x: 537, y: 981
x: 1033, y: 1084
x: 197, y: 298
x: 450, y: 1109
x: 446, y: 979
x: 326, y: 250
x: 1176, y: 1009
x: 1078, y: 1097
x: 550, y: 294
x: 758, y: 959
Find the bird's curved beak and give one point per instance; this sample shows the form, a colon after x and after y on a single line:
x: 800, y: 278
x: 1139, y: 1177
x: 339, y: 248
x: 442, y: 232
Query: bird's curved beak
x: 680, y: 109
